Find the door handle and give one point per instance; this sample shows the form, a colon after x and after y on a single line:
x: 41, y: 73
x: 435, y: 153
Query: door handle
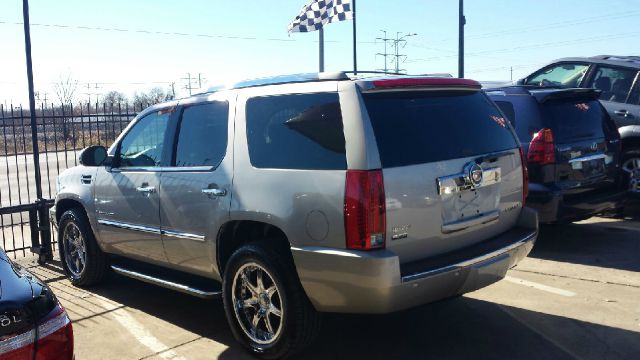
x: 214, y: 192
x: 624, y: 113
x: 146, y: 189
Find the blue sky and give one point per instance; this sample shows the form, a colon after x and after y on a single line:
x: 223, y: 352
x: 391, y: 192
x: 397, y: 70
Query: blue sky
x: 226, y: 40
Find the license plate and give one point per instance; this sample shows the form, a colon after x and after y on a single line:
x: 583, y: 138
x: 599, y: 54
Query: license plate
x: 590, y: 167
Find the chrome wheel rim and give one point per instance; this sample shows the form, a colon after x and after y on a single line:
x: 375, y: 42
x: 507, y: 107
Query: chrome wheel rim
x: 632, y: 167
x: 75, y: 250
x: 257, y: 303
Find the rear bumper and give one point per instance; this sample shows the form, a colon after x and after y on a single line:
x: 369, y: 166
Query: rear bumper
x: 553, y: 206
x: 375, y: 282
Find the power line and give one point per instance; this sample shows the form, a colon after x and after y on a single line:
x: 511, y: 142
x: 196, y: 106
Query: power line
x: 543, y: 27
x: 535, y: 46
x: 170, y: 33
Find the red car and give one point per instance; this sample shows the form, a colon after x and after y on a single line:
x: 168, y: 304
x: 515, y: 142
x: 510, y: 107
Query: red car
x: 33, y: 324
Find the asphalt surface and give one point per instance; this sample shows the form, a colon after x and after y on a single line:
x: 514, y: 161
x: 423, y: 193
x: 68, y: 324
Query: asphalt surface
x: 17, y: 184
x: 577, y: 296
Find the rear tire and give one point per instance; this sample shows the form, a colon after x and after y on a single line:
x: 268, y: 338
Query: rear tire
x: 631, y: 166
x: 84, y: 263
x: 291, y: 326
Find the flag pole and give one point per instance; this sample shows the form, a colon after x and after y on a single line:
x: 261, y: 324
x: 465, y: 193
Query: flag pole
x: 321, y: 49
x: 355, y: 57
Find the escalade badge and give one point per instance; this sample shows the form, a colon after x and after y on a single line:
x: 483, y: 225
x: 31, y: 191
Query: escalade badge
x: 474, y: 173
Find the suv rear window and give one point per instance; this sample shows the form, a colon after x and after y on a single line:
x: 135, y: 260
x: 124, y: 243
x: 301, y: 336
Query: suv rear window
x: 298, y: 131
x: 570, y: 120
x: 423, y: 127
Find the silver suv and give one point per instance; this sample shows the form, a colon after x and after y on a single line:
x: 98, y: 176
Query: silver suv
x: 298, y: 195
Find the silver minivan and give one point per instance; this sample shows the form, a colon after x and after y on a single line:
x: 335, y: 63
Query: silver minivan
x: 293, y: 196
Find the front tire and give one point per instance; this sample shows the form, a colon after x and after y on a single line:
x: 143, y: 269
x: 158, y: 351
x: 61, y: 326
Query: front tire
x: 82, y: 259
x: 266, y: 307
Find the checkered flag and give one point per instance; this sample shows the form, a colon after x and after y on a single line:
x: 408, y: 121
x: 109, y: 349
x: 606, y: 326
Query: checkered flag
x: 320, y: 12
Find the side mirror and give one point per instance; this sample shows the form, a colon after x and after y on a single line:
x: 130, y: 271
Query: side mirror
x: 520, y: 82
x: 94, y: 155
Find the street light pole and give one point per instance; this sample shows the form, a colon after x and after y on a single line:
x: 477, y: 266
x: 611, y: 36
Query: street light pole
x: 461, y: 22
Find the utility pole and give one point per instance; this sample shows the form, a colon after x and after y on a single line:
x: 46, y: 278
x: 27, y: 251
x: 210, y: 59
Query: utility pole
x: 511, y: 73
x: 384, y: 39
x: 89, y: 93
x: 192, y: 81
x: 41, y: 97
x: 461, y: 22
x: 397, y: 42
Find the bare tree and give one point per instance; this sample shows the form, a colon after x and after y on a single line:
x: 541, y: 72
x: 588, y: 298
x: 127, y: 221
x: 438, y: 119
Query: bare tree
x: 114, y: 97
x: 153, y: 96
x: 65, y: 89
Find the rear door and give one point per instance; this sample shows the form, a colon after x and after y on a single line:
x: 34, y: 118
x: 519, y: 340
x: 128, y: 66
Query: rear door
x: 196, y: 186
x: 451, y: 167
x: 586, y: 143
x: 616, y: 84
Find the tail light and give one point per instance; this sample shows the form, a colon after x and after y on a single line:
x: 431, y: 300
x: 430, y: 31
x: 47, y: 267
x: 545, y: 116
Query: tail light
x: 364, y: 210
x: 525, y: 177
x: 541, y: 149
x: 54, y: 340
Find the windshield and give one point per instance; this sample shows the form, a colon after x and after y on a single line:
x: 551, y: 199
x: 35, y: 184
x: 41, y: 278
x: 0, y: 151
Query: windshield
x: 562, y: 75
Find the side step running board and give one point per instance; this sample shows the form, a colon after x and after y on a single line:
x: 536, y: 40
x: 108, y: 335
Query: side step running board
x: 205, y: 294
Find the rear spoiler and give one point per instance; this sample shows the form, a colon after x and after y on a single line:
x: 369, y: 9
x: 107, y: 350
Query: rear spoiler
x: 566, y: 94
x: 415, y: 83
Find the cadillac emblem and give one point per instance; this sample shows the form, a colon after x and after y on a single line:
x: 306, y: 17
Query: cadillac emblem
x: 474, y: 174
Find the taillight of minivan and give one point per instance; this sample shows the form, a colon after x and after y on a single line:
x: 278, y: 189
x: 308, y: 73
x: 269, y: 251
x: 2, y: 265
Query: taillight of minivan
x: 364, y: 210
x: 542, y: 151
x: 525, y: 177
x: 53, y: 339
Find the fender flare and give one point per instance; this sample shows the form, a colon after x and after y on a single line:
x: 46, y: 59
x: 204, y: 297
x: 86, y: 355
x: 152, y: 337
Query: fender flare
x: 629, y: 131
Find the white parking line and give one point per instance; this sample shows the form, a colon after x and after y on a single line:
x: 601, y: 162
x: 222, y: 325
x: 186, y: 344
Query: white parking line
x: 542, y: 287
x: 139, y: 332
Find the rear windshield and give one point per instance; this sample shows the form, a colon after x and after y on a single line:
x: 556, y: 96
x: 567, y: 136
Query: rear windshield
x: 574, y: 120
x: 422, y: 127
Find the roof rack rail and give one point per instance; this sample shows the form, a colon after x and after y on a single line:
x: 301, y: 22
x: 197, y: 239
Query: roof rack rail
x: 282, y: 79
x: 630, y: 58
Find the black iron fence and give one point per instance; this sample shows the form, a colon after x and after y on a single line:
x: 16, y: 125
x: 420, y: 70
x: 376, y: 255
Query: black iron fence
x: 62, y: 131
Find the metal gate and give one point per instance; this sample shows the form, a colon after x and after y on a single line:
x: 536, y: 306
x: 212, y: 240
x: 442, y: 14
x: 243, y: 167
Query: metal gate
x: 61, y: 132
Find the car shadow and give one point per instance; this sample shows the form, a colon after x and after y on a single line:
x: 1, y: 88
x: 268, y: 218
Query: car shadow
x: 466, y: 328
x: 453, y: 329
x: 614, y: 244
x: 204, y: 318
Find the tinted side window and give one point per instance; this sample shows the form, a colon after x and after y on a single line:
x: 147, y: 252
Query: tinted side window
x: 507, y: 109
x: 565, y: 75
x: 614, y: 83
x: 301, y: 131
x: 202, y: 137
x: 423, y: 127
x: 634, y: 98
x: 143, y: 144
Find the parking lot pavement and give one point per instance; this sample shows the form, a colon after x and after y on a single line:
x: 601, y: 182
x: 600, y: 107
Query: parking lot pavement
x: 576, y: 296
